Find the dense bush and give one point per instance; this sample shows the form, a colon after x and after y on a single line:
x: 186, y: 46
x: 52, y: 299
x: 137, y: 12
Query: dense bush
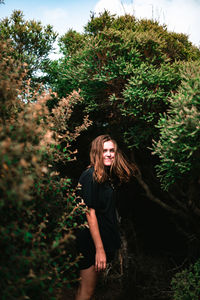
x: 179, y: 143
x: 186, y: 284
x: 126, y: 70
x: 37, y: 206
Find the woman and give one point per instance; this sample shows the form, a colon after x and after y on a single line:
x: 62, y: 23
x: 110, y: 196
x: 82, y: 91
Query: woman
x: 99, y: 183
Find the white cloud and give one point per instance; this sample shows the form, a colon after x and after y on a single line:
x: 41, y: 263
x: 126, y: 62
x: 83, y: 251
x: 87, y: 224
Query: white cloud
x: 180, y: 16
x: 57, y: 17
x: 183, y: 16
x: 55, y: 14
x: 114, y: 6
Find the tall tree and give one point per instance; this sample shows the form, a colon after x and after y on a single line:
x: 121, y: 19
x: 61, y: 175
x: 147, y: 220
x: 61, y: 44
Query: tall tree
x: 31, y: 41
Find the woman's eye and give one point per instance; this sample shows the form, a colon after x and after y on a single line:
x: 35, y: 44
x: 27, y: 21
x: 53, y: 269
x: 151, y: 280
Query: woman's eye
x: 109, y: 150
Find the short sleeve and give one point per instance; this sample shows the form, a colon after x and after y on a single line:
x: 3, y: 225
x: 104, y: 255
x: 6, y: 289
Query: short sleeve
x: 88, y: 188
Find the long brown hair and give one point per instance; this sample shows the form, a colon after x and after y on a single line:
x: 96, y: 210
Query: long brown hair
x: 123, y: 169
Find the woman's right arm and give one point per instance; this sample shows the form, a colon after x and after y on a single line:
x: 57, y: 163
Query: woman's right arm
x: 100, y: 261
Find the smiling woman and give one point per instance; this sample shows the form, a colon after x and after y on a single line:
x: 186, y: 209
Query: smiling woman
x: 108, y: 153
x: 100, y: 184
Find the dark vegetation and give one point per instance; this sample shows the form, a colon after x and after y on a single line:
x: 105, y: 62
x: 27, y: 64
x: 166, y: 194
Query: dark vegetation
x: 136, y: 81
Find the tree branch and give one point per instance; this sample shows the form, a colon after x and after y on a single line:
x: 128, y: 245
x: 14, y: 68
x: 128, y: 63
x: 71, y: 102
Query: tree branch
x: 157, y: 200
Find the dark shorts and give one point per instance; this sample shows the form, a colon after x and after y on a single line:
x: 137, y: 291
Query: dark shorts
x: 85, y: 247
x: 88, y: 259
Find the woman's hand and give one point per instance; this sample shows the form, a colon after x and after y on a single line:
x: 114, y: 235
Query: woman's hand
x: 100, y: 260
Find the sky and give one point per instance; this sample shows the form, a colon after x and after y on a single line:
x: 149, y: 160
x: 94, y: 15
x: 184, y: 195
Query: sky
x: 181, y: 16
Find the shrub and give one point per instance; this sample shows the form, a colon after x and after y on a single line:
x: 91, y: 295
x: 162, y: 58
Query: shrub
x: 126, y: 70
x: 186, y: 284
x: 38, y: 208
x: 179, y: 143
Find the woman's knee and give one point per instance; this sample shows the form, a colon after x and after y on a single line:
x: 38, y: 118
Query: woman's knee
x: 88, y: 282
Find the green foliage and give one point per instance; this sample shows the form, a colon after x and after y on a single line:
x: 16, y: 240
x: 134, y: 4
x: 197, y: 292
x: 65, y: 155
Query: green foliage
x: 38, y: 208
x: 97, y: 24
x: 125, y: 69
x: 145, y: 96
x: 71, y: 42
x: 31, y: 41
x: 179, y: 144
x: 186, y: 284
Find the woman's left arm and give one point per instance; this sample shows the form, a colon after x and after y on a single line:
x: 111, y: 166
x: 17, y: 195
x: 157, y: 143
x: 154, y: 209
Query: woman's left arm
x: 100, y: 260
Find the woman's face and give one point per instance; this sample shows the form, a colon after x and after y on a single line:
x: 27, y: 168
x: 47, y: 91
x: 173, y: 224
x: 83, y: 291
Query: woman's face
x: 108, y: 153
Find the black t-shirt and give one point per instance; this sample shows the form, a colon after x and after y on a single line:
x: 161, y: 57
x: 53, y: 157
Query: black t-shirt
x: 102, y: 198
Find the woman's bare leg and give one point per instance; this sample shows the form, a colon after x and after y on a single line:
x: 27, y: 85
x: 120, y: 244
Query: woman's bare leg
x: 87, y: 284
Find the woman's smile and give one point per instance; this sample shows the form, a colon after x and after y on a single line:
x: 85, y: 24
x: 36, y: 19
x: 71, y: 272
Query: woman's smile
x: 108, y: 153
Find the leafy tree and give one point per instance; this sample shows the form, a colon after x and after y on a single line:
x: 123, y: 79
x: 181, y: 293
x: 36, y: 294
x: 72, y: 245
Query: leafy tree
x: 38, y: 208
x: 31, y: 42
x: 127, y: 71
